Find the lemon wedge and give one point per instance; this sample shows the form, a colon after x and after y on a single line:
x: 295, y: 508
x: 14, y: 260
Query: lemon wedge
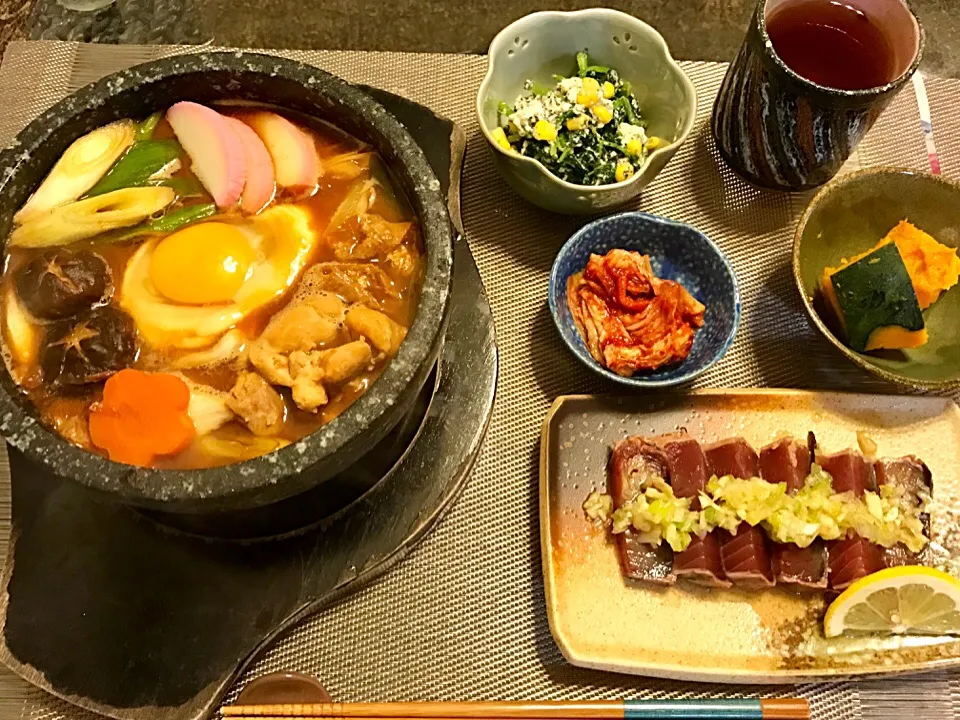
x: 909, y: 600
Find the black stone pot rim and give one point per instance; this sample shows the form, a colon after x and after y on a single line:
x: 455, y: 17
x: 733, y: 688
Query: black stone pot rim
x: 276, y: 473
x: 759, y: 24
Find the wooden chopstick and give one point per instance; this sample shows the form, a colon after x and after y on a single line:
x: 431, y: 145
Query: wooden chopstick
x: 692, y: 709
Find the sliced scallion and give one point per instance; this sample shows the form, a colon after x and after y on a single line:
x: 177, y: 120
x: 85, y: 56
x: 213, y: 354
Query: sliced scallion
x: 90, y: 217
x: 180, y: 218
x: 140, y: 163
x: 80, y: 167
x: 146, y: 127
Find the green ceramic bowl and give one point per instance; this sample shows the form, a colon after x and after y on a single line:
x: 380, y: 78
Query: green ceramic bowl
x: 540, y: 45
x: 849, y: 216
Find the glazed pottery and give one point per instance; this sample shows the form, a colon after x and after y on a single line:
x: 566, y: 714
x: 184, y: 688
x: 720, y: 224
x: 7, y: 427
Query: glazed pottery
x: 848, y: 217
x: 717, y: 635
x: 782, y: 131
x: 544, y: 44
x: 677, y: 252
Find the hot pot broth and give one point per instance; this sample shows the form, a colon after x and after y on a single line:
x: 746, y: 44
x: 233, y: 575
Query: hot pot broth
x: 267, y: 316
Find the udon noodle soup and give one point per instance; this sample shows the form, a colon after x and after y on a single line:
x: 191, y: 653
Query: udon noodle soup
x: 206, y: 285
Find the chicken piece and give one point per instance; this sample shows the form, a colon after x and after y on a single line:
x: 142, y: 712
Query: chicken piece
x: 305, y: 324
x: 309, y: 322
x: 401, y: 263
x: 258, y: 405
x: 354, y: 282
x: 309, y: 394
x: 385, y: 334
x: 308, y: 391
x: 311, y: 369
x: 367, y: 237
x: 342, y: 363
x: 273, y: 365
x: 305, y: 364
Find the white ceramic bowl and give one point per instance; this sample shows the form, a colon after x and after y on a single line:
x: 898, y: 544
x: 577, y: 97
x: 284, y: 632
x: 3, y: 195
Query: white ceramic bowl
x: 543, y: 44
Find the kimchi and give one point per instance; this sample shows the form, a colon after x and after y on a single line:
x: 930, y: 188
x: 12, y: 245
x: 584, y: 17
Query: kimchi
x: 630, y: 319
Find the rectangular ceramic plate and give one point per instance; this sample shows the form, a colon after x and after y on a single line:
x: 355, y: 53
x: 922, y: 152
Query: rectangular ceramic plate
x: 602, y: 621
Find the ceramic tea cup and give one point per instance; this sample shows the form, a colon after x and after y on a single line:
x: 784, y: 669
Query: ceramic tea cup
x: 780, y: 129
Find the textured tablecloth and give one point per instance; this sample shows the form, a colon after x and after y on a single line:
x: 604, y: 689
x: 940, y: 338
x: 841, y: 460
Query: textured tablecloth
x: 463, y: 617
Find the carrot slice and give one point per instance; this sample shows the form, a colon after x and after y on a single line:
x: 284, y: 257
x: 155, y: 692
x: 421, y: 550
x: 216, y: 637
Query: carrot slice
x: 142, y: 415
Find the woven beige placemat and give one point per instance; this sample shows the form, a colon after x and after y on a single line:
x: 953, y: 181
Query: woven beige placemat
x: 463, y: 617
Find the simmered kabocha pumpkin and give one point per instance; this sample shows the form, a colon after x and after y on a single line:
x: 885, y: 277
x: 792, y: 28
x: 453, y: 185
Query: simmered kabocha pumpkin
x: 882, y: 299
x: 934, y: 268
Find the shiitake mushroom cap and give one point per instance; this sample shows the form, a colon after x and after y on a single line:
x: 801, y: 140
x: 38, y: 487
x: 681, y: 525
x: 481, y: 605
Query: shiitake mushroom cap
x: 60, y: 283
x: 89, y: 348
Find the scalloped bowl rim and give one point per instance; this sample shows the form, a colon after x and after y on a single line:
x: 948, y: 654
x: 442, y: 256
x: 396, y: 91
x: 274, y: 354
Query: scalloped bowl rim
x: 858, y: 359
x: 578, y: 348
x: 570, y: 16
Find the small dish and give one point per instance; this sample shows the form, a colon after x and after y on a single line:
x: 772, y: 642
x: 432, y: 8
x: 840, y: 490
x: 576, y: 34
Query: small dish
x: 848, y: 216
x: 545, y: 43
x: 677, y: 252
x: 682, y: 632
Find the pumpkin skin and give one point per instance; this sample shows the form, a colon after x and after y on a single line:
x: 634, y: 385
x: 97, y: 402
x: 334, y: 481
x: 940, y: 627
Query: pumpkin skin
x: 874, y: 298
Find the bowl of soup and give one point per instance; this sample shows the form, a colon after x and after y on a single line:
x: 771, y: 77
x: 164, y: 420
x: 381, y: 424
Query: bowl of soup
x: 226, y: 276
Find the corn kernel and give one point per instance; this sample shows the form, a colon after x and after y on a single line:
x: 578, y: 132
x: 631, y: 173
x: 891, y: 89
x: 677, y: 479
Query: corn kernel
x: 652, y: 143
x: 590, y: 85
x: 608, y: 90
x: 602, y: 113
x: 588, y: 99
x: 635, y: 147
x: 577, y: 123
x: 545, y: 130
x: 624, y: 171
x: 501, y: 138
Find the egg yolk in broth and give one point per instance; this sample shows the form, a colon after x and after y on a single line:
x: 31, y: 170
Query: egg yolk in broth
x: 201, y: 264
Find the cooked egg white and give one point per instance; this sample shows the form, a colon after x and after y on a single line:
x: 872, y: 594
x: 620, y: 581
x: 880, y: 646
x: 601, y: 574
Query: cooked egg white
x: 187, y: 289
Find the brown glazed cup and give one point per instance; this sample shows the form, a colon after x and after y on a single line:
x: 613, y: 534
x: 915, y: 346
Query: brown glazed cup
x: 779, y: 130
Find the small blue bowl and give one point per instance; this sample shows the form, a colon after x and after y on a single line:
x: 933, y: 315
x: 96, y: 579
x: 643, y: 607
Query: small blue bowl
x: 677, y: 252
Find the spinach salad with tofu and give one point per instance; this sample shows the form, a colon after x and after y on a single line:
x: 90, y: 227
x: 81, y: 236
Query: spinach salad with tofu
x: 586, y: 130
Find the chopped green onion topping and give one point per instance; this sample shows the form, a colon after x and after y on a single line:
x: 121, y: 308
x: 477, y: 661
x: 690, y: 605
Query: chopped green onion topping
x: 888, y: 517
